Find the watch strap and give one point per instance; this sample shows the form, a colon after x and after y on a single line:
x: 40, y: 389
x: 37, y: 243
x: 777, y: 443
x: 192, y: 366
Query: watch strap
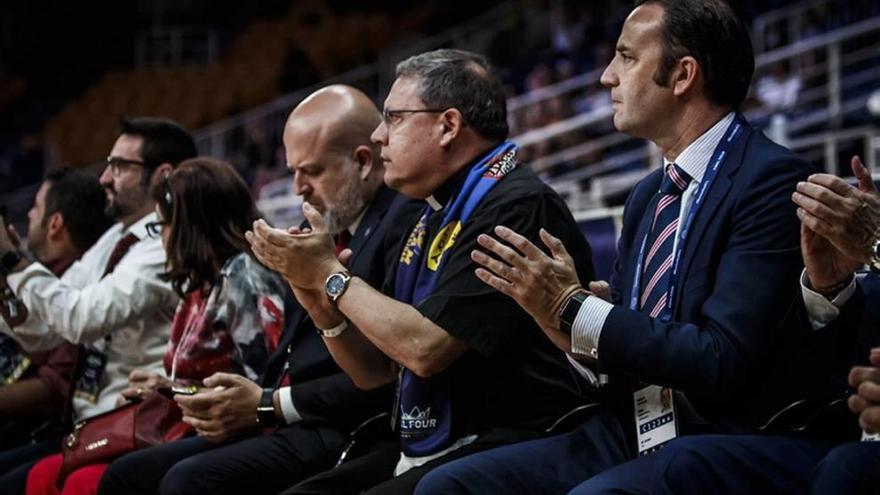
x: 266, y: 409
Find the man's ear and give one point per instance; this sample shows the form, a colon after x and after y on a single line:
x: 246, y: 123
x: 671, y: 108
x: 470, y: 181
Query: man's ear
x: 363, y: 155
x: 685, y: 75
x: 451, y: 122
x: 160, y: 172
x: 54, y: 226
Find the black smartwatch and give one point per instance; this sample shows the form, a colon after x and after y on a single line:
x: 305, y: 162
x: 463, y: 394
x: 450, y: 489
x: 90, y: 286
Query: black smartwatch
x: 266, y: 417
x: 570, y: 310
x: 9, y: 261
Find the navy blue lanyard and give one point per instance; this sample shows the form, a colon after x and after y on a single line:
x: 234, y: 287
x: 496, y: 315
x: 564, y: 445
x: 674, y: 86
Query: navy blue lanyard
x: 718, y: 157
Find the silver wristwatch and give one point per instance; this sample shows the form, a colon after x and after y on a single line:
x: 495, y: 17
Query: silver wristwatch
x: 336, y: 284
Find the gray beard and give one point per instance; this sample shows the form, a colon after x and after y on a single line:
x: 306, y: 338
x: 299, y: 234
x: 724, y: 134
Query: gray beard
x: 340, y: 215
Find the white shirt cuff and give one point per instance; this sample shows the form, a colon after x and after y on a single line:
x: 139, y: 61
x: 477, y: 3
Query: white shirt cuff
x: 288, y: 410
x: 587, y: 326
x: 820, y: 310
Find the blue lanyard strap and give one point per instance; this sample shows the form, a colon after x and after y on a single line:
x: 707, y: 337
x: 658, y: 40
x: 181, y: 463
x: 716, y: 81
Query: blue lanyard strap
x: 734, y: 130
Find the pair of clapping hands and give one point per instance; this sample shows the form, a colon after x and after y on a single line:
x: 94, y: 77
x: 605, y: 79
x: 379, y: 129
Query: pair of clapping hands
x: 839, y: 225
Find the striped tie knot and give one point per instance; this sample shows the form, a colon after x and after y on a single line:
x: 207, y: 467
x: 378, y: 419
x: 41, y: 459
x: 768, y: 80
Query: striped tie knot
x: 675, y: 180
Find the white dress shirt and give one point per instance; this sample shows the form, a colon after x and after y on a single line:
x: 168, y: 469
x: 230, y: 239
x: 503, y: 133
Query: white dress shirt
x: 587, y: 326
x: 132, y: 305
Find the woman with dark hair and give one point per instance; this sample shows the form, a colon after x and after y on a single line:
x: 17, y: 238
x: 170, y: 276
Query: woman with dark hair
x: 230, y: 317
x: 231, y: 313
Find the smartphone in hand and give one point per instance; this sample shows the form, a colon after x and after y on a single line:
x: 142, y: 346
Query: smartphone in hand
x: 170, y: 392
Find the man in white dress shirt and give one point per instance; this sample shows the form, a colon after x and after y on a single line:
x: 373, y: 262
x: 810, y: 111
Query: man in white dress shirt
x: 112, y: 300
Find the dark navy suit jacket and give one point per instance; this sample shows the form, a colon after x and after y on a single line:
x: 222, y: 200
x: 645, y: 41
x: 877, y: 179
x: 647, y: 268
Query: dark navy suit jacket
x: 738, y: 282
x: 322, y: 392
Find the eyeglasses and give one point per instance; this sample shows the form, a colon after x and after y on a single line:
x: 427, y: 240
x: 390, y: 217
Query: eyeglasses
x: 117, y: 164
x: 393, y: 117
x: 154, y: 229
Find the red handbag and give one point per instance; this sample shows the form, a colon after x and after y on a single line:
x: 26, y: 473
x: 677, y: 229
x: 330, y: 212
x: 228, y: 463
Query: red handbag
x: 133, y: 426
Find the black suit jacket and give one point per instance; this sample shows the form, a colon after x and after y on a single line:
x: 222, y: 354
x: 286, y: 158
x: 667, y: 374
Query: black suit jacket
x: 322, y: 392
x: 739, y: 280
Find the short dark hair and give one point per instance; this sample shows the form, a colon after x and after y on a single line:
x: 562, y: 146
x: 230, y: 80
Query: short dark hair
x: 80, y: 199
x: 712, y: 33
x: 208, y: 208
x: 164, y: 140
x: 464, y: 81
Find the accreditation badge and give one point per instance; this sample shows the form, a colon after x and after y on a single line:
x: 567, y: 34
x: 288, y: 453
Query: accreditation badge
x: 654, y: 417
x: 13, y: 364
x: 89, y: 383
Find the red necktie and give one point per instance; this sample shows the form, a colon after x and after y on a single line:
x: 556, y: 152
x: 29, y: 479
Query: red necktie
x: 119, y: 251
x: 342, y: 240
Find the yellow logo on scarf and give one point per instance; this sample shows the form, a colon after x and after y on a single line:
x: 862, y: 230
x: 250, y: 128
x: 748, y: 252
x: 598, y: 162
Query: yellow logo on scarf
x: 444, y: 241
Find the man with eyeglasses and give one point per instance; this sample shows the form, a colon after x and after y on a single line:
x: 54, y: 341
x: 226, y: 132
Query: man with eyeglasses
x: 472, y: 370
x: 112, y: 300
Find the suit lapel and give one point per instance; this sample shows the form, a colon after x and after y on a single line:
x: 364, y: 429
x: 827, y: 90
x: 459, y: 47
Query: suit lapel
x: 706, y: 215
x: 644, y: 204
x: 370, y: 222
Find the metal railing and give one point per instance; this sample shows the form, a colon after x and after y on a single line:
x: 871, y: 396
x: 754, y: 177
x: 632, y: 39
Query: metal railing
x: 793, y: 22
x: 839, y: 69
x: 222, y: 138
x: 475, y: 34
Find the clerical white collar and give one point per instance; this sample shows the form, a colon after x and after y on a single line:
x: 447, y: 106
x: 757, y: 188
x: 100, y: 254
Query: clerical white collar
x: 433, y: 203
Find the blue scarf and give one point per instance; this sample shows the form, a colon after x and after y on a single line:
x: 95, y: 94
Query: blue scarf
x: 424, y: 404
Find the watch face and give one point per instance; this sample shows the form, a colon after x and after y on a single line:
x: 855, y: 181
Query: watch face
x: 335, y: 284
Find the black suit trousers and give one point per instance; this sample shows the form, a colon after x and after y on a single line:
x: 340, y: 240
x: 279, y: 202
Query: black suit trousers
x: 259, y: 464
x: 373, y: 473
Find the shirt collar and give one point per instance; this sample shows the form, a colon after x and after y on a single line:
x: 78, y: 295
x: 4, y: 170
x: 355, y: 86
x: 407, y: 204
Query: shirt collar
x: 433, y: 203
x: 139, y: 228
x: 438, y: 199
x: 695, y: 158
x: 357, y: 221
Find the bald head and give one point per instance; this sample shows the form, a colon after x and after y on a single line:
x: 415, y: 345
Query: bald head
x: 341, y: 116
x: 327, y: 143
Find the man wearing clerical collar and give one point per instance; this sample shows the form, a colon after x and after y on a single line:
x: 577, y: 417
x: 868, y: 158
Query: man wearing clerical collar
x: 472, y: 370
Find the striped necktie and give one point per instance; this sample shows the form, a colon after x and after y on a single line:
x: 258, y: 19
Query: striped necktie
x: 661, y: 239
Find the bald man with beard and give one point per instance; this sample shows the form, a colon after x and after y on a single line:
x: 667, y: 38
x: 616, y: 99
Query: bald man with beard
x: 311, y: 404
